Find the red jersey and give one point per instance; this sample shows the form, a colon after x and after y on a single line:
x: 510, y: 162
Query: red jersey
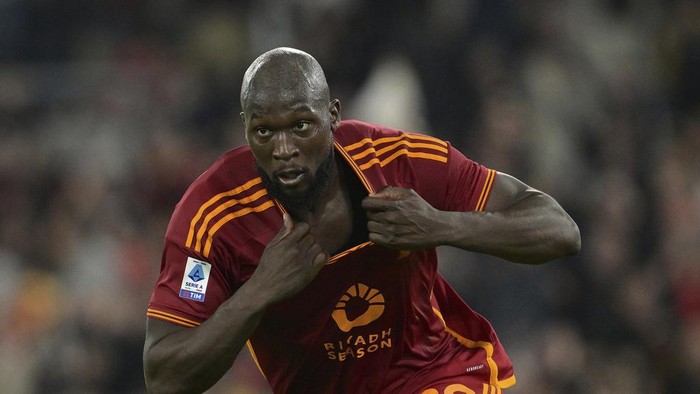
x: 374, y: 320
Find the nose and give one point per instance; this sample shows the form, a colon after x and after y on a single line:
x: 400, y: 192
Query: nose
x: 284, y: 147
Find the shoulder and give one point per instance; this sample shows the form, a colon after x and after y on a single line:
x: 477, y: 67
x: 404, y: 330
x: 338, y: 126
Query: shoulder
x: 234, y: 168
x: 234, y: 173
x: 354, y: 131
x: 382, y: 145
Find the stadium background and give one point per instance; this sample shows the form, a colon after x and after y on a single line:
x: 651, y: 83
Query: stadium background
x: 109, y: 109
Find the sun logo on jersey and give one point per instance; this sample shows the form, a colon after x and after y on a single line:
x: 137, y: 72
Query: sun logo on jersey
x: 359, y: 306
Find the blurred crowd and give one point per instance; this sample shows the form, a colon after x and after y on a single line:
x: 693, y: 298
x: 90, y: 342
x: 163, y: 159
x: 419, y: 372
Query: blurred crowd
x: 108, y: 110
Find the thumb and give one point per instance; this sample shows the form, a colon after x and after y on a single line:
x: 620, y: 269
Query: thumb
x: 391, y: 193
x: 287, y: 226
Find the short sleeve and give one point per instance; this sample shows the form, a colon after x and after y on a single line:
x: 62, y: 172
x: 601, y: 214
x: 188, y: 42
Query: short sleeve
x: 455, y: 184
x: 468, y: 183
x: 189, y: 288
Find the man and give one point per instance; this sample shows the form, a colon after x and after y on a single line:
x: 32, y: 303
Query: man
x: 315, y: 245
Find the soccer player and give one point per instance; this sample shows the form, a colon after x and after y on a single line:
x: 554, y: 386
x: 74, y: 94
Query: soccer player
x: 315, y: 245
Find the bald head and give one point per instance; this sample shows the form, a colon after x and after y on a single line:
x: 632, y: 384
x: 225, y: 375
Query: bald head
x: 284, y: 72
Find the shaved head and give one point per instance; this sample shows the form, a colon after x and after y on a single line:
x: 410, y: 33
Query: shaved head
x: 289, y: 121
x: 284, y: 72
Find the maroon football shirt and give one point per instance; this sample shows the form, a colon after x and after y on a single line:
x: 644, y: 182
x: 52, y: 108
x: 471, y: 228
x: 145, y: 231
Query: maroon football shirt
x: 374, y: 319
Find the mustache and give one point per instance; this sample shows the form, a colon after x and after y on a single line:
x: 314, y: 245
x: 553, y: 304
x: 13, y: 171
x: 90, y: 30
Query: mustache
x: 303, y: 201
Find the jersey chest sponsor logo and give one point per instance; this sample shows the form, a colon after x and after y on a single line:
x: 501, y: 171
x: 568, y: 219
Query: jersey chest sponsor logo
x: 366, y: 304
x: 359, y: 306
x: 195, y: 279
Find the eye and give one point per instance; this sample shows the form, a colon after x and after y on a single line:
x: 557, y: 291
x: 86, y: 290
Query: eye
x: 302, y: 126
x: 262, y: 132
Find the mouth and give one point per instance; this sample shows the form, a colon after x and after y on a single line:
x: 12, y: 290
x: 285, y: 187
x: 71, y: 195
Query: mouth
x: 290, y: 176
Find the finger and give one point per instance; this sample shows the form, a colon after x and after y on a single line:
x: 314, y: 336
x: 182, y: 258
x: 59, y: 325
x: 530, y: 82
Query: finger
x: 379, y: 239
x: 372, y: 203
x: 287, y: 225
x: 298, y: 231
x: 285, y: 229
x: 320, y: 258
x: 387, y: 241
x: 306, y: 242
x: 384, y: 217
x: 376, y: 227
x: 392, y: 193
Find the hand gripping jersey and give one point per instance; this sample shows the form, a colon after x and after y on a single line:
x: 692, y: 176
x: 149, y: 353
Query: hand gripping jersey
x: 374, y: 320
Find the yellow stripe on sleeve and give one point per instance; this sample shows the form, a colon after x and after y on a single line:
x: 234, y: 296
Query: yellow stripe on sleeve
x: 214, y: 199
x: 385, y: 140
x: 219, y: 209
x: 231, y: 216
x: 358, y: 144
x: 171, y: 318
x: 485, y: 191
x: 403, y: 142
x: 402, y: 152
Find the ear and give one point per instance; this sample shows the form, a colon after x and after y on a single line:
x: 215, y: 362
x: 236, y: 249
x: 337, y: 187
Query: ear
x: 245, y: 135
x: 334, y: 109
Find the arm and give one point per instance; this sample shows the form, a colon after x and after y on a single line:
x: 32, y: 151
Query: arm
x: 179, y: 359
x: 185, y: 360
x: 519, y: 223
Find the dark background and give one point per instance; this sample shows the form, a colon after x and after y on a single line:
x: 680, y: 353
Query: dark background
x: 109, y: 109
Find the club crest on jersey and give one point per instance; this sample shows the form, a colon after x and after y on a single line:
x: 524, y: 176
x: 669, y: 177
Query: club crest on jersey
x: 195, y: 279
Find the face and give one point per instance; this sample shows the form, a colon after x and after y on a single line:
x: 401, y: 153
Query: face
x: 291, y: 138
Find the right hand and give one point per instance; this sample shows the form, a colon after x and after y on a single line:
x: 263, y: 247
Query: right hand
x: 289, y: 262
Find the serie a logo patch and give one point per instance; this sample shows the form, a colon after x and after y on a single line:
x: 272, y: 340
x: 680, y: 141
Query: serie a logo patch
x: 195, y: 279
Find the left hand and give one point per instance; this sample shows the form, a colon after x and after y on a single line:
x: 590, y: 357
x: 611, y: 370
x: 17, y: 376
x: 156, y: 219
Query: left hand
x: 401, y: 219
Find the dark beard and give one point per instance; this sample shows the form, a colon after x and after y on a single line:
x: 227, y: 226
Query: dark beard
x: 308, y: 200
